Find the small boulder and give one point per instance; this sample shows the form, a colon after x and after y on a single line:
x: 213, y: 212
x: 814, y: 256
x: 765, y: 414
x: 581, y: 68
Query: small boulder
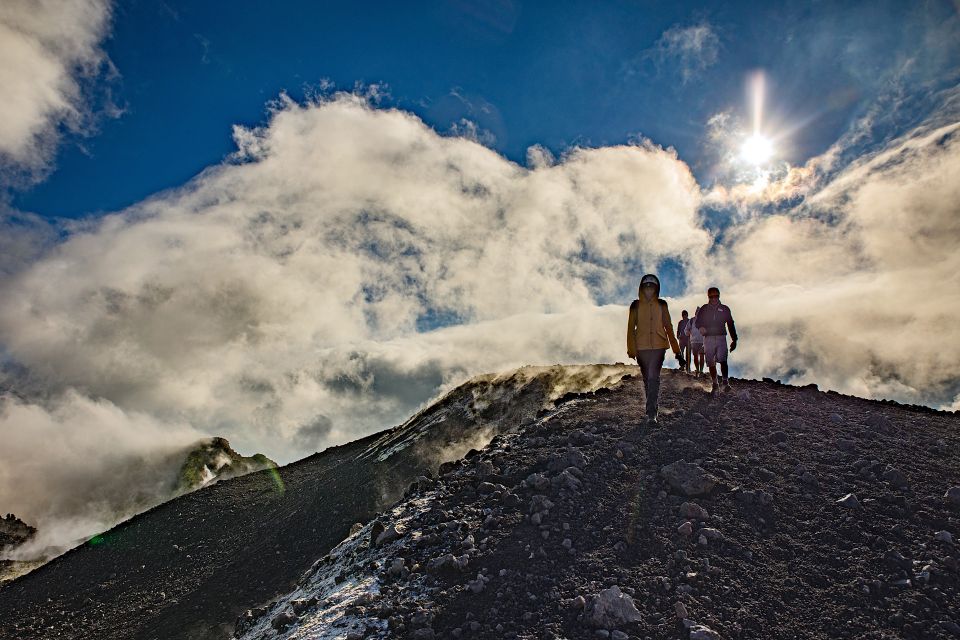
x: 537, y: 482
x: 777, y: 436
x: 375, y: 530
x: 953, y: 496
x: 611, y: 608
x: 688, y: 478
x: 283, y: 620
x: 849, y: 501
x: 703, y: 632
x: 895, y: 478
x: 680, y: 609
x: 388, y: 535
x: 693, y: 511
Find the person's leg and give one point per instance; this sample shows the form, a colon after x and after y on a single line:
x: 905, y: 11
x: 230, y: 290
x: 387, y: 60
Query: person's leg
x: 653, y: 387
x: 686, y: 357
x: 651, y: 361
x: 642, y: 362
x: 722, y: 359
x: 710, y: 351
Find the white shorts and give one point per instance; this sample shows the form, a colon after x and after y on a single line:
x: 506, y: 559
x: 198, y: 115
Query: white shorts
x: 715, y: 349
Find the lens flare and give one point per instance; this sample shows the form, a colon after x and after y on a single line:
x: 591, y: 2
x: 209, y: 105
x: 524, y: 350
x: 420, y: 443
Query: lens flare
x: 757, y: 150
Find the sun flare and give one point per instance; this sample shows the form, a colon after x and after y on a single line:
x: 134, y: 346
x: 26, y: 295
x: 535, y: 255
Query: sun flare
x: 756, y: 150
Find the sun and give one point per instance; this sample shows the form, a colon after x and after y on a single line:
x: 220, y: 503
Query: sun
x: 756, y: 150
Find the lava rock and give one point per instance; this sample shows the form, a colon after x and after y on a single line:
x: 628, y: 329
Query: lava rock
x: 703, y: 632
x: 693, y: 511
x: 895, y: 478
x: 388, y: 535
x: 283, y: 620
x: 953, y: 496
x: 688, y: 478
x: 849, y: 501
x: 611, y: 608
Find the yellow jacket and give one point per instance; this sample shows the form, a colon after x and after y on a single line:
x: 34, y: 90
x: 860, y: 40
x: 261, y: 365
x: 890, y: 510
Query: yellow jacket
x: 649, y: 327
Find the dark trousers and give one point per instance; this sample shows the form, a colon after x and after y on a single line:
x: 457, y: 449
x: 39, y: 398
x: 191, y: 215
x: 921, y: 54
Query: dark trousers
x: 651, y: 361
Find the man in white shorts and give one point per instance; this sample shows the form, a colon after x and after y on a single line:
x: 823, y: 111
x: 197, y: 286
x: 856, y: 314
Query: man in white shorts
x: 713, y: 319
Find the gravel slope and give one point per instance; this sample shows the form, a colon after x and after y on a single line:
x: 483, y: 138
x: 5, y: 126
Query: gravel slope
x: 730, y: 520
x: 190, y: 567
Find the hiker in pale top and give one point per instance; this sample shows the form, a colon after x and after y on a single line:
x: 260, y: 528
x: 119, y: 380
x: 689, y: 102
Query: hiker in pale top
x: 649, y: 333
x: 683, y: 338
x: 713, y: 320
x: 696, y: 344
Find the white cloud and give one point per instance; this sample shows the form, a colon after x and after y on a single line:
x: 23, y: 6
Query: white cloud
x: 77, y: 467
x: 855, y: 289
x: 692, y: 49
x: 48, y: 49
x: 290, y: 287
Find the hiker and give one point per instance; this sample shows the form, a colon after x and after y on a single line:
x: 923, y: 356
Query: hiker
x: 713, y: 320
x: 696, y: 344
x: 683, y: 338
x: 649, y: 333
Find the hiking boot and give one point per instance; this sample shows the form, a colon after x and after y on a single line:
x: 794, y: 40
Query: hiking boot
x: 726, y: 386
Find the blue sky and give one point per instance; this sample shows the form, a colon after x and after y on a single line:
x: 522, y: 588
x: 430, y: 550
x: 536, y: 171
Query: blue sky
x: 555, y: 74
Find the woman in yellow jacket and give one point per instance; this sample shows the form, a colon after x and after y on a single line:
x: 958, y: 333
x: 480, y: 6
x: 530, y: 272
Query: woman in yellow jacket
x: 649, y: 333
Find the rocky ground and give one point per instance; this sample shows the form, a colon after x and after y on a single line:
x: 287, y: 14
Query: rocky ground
x: 769, y: 512
x: 188, y: 568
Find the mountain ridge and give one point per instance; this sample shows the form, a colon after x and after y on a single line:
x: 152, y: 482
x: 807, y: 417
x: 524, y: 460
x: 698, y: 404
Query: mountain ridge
x: 775, y: 453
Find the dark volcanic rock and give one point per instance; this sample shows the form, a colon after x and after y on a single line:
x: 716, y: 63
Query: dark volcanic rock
x: 689, y: 479
x: 532, y: 557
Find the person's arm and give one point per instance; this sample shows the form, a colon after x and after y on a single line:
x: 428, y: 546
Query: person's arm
x: 632, y: 331
x: 699, y: 318
x: 732, y: 328
x: 668, y: 324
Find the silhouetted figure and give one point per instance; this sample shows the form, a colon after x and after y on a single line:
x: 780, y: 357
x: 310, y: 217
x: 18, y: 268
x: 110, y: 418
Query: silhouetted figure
x: 683, y: 338
x: 649, y: 333
x: 696, y: 344
x: 713, y: 319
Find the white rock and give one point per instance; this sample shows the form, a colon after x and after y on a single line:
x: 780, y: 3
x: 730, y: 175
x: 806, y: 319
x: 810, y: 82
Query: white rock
x: 612, y: 608
x: 703, y: 632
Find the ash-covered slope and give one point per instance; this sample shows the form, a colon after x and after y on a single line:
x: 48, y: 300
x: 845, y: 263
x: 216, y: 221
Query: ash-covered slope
x: 138, y: 485
x: 190, y: 567
x: 771, y: 512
